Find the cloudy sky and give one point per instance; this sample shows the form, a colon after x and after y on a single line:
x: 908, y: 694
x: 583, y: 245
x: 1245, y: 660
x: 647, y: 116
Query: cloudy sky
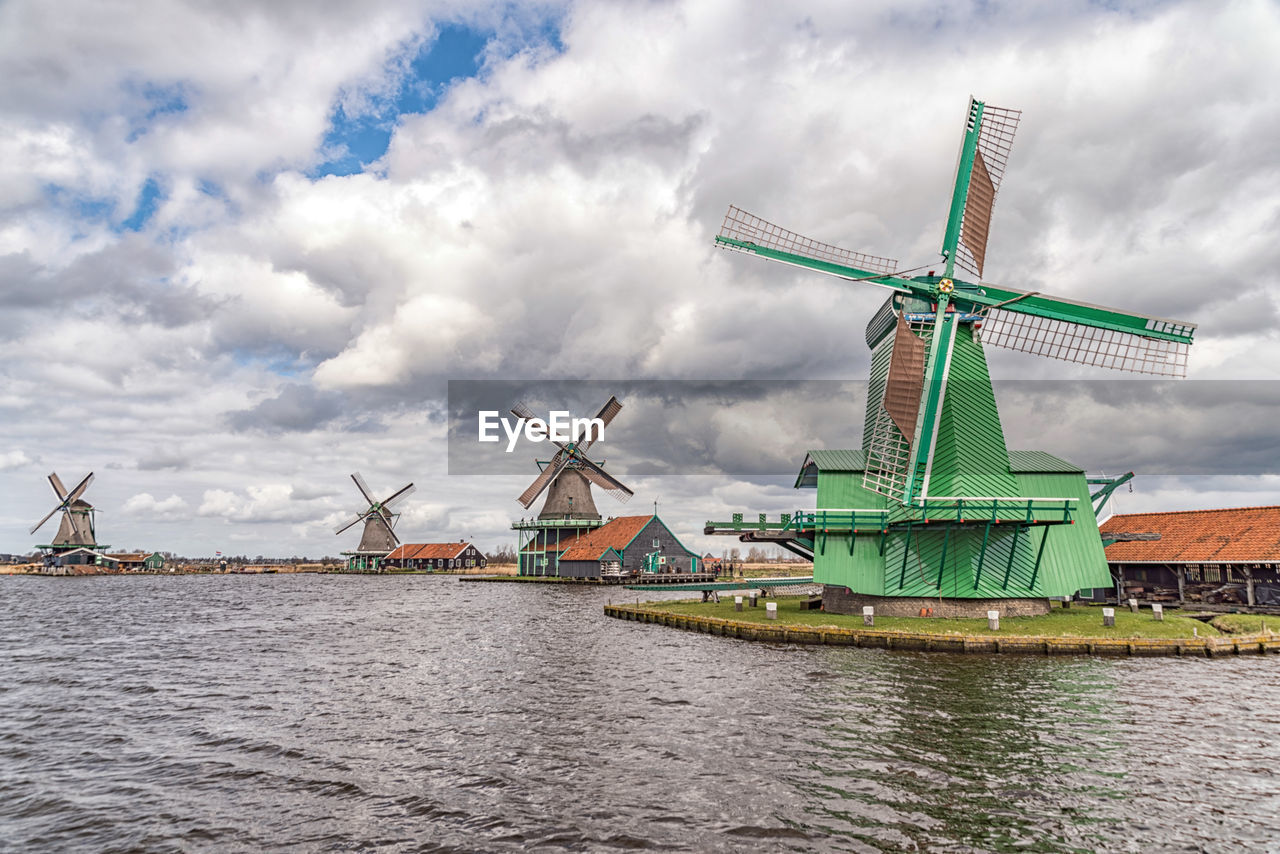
x: 244, y: 247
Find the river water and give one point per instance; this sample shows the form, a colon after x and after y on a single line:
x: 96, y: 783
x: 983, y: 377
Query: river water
x: 421, y: 713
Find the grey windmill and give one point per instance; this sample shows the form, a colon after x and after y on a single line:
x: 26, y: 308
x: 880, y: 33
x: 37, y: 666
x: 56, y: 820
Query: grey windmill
x: 379, y: 536
x: 76, y: 528
x: 568, y: 475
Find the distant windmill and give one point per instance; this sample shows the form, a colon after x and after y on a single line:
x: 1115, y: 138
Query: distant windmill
x: 379, y: 520
x: 569, y: 474
x: 76, y: 528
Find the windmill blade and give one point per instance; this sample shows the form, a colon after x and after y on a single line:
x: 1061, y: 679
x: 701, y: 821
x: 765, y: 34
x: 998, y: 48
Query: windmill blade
x: 355, y: 520
x: 984, y: 153
x: 1086, y: 334
x: 76, y: 531
x: 604, y: 480
x: 937, y: 368
x: 905, y: 382
x: 606, y: 415
x: 364, y: 489
x: 389, y: 520
x: 522, y: 411
x: 36, y: 527
x: 58, y: 488
x: 744, y: 232
x: 404, y: 493
x: 548, y: 474
x: 80, y: 488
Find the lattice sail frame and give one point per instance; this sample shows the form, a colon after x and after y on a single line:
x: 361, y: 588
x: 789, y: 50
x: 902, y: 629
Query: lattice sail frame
x: 887, y: 456
x: 889, y: 450
x: 995, y: 141
x: 749, y: 228
x: 1085, y: 345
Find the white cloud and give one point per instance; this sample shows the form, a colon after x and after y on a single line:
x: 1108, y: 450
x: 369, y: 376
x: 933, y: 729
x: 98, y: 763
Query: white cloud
x: 265, y: 503
x: 13, y: 460
x: 145, y: 505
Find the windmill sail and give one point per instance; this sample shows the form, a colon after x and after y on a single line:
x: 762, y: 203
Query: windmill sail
x: 379, y: 519
x: 605, y: 481
x: 906, y: 378
x: 889, y: 448
x: 1088, y: 345
x: 995, y: 128
x: 76, y: 526
x: 548, y: 474
x: 745, y: 232
x: 606, y: 415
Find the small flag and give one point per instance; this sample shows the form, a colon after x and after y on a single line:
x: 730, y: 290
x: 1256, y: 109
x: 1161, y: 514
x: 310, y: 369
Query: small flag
x: 218, y: 554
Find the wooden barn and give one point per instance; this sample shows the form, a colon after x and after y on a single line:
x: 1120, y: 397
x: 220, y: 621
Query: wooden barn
x: 436, y: 556
x: 1215, y: 556
x: 619, y: 549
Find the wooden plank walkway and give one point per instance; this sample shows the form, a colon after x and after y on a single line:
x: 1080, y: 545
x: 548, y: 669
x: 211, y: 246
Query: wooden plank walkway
x: 1210, y: 647
x: 743, y: 584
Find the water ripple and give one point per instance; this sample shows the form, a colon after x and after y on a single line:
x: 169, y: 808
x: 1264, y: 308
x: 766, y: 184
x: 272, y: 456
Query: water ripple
x: 419, y: 713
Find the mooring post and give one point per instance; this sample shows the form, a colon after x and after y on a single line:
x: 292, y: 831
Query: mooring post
x: 737, y: 603
x: 771, y: 610
x: 868, y: 615
x: 1157, y: 611
x: 1133, y: 605
x: 1108, y: 616
x: 993, y: 621
x: 753, y: 599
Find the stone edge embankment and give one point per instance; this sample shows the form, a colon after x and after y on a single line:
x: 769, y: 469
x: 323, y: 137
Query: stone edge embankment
x: 831, y: 636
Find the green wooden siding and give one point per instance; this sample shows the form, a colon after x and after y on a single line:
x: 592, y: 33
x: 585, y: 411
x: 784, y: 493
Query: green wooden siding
x: 969, y: 456
x: 970, y: 459
x: 1074, y: 558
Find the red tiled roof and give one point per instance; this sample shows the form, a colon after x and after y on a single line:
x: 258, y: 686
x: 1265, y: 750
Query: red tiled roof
x: 427, y: 551
x: 1235, y: 535
x: 614, y: 535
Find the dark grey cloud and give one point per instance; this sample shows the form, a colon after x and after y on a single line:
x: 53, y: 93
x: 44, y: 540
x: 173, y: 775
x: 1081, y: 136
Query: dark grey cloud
x: 301, y: 408
x: 164, y: 459
x: 749, y: 428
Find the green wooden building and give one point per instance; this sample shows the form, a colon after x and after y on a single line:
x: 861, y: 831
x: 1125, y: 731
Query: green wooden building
x: 934, y: 511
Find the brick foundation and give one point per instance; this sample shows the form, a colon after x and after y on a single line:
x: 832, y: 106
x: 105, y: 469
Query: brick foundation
x: 839, y: 600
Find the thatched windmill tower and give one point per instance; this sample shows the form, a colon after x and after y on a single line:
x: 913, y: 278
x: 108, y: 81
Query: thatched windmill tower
x: 569, y: 510
x: 379, y: 537
x: 76, y: 530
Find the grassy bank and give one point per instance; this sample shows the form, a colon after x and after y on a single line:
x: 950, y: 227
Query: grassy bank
x: 1075, y: 622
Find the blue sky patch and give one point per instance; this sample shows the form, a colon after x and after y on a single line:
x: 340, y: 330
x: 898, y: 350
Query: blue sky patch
x: 82, y: 207
x: 157, y: 101
x: 455, y: 54
x: 149, y: 199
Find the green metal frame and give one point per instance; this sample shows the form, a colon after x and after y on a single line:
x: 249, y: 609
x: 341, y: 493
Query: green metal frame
x: 1109, y: 485
x: 935, y: 387
x: 969, y: 296
x: 960, y: 194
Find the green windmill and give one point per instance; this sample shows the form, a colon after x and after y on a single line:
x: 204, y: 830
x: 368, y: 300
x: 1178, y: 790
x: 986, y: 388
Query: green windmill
x: 934, y: 505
